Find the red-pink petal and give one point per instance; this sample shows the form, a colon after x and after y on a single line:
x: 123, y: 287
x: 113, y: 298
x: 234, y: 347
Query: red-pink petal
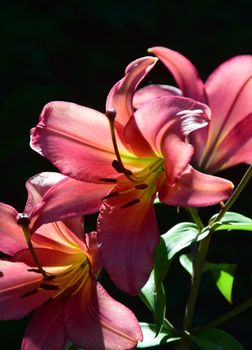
x: 93, y: 320
x: 149, y: 92
x: 12, y: 237
x: 128, y: 233
x: 46, y: 329
x: 15, y: 285
x: 229, y: 97
x: 37, y: 186
x: 236, y: 147
x: 70, y: 198
x: 195, y: 189
x: 183, y: 71
x: 120, y: 96
x: 76, y: 140
x: 154, y: 120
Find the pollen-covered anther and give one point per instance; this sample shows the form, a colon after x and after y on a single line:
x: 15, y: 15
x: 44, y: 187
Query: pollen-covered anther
x: 111, y: 114
x: 23, y: 219
x: 130, y: 203
x: 120, y: 168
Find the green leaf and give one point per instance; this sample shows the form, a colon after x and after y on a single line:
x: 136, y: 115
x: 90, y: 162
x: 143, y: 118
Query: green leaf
x: 232, y: 221
x: 73, y: 347
x: 154, y: 298
x: 150, y: 338
x: 223, y: 274
x: 216, y: 339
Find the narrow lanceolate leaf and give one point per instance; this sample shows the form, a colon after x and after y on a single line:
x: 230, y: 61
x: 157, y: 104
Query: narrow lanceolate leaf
x: 150, y: 338
x: 216, y: 339
x: 173, y: 241
x: 232, y: 221
x: 154, y: 298
x: 223, y: 274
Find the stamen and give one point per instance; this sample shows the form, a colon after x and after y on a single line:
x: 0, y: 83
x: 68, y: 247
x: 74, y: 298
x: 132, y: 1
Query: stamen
x: 110, y: 195
x: 48, y: 286
x: 49, y: 278
x: 108, y: 180
x: 120, y: 168
x: 23, y: 218
x: 141, y: 186
x: 31, y: 292
x: 130, y: 203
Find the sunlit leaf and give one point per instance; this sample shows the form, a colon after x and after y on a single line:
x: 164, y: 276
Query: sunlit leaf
x: 223, y: 274
x: 232, y: 221
x: 150, y: 338
x: 216, y: 339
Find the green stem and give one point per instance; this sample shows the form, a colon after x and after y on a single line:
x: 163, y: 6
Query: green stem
x: 196, y: 218
x: 236, y: 311
x: 242, y: 184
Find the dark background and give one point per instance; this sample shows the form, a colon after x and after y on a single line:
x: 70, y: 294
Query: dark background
x: 75, y: 51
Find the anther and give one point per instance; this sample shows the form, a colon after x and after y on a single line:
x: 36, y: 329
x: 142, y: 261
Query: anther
x: 23, y: 219
x: 110, y: 195
x: 108, y: 180
x: 49, y: 277
x: 120, y: 168
x: 31, y: 292
x: 48, y: 286
x: 141, y: 186
x: 111, y: 114
x: 130, y: 203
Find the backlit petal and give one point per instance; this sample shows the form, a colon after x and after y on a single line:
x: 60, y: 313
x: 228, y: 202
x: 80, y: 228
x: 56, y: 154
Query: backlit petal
x: 46, y: 328
x: 120, y: 96
x: 183, y: 71
x: 195, y: 189
x: 76, y: 140
x: 93, y: 320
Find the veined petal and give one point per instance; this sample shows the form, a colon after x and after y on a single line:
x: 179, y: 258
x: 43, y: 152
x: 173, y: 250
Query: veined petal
x: 154, y: 120
x: 149, y: 92
x: 120, y: 96
x: 46, y: 329
x: 93, y: 320
x: 235, y: 148
x: 70, y: 198
x: 128, y: 233
x: 183, y: 71
x: 229, y: 95
x: 37, y: 186
x: 195, y: 189
x: 12, y: 236
x: 76, y: 140
x: 18, y: 290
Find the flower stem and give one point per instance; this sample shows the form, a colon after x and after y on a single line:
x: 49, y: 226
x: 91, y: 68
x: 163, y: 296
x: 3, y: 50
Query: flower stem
x: 242, y: 184
x: 236, y: 311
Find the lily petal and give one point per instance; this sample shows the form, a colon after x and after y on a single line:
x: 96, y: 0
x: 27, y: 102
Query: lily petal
x: 184, y: 72
x: 18, y: 290
x: 70, y: 198
x: 12, y: 236
x: 46, y: 329
x: 76, y: 140
x: 195, y: 189
x: 37, y: 186
x: 149, y: 92
x: 121, y: 95
x: 229, y: 96
x: 93, y: 320
x: 154, y: 120
x: 128, y: 234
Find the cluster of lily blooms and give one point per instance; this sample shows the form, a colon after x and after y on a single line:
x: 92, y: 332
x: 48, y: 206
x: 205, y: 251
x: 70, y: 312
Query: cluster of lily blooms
x: 158, y: 140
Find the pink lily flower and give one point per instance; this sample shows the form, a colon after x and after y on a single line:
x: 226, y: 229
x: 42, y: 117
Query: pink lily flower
x: 134, y: 155
x: 68, y: 303
x: 227, y: 140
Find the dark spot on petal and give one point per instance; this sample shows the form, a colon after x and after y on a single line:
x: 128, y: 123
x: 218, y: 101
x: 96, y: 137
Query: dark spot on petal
x: 1, y: 274
x: 141, y: 186
x: 111, y: 194
x: 31, y: 292
x: 108, y: 180
x: 130, y: 203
